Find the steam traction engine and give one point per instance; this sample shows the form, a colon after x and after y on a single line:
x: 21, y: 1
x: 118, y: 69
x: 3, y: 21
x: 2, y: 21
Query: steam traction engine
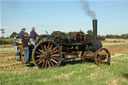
x: 51, y: 50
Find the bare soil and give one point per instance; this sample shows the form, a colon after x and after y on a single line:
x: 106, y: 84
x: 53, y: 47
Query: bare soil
x: 117, y: 49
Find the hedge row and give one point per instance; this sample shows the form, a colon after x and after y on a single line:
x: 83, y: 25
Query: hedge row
x: 5, y: 41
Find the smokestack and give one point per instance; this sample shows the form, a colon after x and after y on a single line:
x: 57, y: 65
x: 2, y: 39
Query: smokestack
x: 94, y: 22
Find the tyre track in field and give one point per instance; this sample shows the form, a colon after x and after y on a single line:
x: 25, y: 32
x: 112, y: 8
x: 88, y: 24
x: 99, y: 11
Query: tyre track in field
x: 9, y: 57
x: 7, y: 54
x: 11, y: 65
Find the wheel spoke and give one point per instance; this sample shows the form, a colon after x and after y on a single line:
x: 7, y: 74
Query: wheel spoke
x: 51, y: 62
x: 48, y: 46
x: 55, y: 51
x: 40, y: 56
x: 51, y: 47
x: 42, y: 48
x: 40, y: 61
x: 43, y: 64
x: 104, y: 61
x: 38, y: 52
x: 106, y: 55
x: 103, y: 51
x: 54, y: 61
x: 41, y: 51
x: 98, y: 59
x: 56, y: 55
x: 46, y: 64
x: 100, y: 54
x: 45, y: 47
x: 55, y: 58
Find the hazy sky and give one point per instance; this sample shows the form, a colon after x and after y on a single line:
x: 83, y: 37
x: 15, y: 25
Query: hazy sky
x: 63, y: 15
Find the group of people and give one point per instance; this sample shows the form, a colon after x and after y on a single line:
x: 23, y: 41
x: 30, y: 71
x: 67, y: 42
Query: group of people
x: 27, y: 41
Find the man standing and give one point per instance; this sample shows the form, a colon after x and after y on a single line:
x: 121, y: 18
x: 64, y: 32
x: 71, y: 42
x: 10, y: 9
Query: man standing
x: 33, y: 36
x: 22, y: 34
x: 26, y: 44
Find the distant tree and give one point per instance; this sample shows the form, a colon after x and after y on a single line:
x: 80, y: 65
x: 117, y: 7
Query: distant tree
x: 117, y: 36
x: 16, y: 34
x: 90, y: 32
x: 13, y: 34
x: 2, y: 32
x: 113, y: 36
x: 102, y: 38
x: 124, y: 36
x: 108, y: 36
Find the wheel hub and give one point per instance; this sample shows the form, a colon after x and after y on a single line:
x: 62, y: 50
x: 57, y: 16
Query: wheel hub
x: 47, y: 55
x: 103, y: 57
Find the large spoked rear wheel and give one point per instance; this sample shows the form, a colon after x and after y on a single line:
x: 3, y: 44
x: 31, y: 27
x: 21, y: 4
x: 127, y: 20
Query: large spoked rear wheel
x: 47, y: 54
x: 102, y: 56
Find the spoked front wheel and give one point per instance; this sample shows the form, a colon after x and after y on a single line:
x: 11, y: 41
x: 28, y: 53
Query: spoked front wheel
x: 47, y: 54
x: 102, y: 56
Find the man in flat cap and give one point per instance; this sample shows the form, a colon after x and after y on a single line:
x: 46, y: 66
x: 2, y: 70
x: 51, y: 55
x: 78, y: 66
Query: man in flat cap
x: 33, y: 36
x: 22, y: 34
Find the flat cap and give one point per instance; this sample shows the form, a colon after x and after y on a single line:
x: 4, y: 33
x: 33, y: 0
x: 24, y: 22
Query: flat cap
x: 23, y: 29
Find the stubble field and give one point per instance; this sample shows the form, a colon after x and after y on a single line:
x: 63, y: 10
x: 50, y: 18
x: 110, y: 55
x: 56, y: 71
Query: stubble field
x: 13, y: 72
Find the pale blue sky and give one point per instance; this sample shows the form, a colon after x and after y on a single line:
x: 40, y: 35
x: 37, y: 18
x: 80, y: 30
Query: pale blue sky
x: 63, y: 15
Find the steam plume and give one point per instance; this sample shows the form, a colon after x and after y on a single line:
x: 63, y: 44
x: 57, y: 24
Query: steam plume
x: 87, y: 9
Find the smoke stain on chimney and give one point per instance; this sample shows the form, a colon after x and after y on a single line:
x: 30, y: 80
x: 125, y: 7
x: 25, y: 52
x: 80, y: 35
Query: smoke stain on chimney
x: 86, y: 8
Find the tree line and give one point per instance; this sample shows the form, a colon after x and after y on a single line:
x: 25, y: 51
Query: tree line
x: 123, y: 36
x: 90, y: 32
x: 16, y: 34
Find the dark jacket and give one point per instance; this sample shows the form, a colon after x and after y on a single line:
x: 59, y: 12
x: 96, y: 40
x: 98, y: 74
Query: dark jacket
x: 33, y: 35
x: 21, y: 35
x: 25, y: 42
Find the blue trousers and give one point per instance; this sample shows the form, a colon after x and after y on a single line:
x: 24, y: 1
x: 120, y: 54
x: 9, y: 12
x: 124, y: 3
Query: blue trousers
x: 26, y: 54
x: 17, y: 56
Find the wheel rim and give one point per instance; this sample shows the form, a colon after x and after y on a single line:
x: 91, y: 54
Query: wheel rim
x: 102, y: 56
x: 47, y: 54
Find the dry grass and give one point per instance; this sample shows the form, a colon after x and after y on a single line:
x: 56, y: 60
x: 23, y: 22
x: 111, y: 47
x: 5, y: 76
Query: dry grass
x: 115, y: 40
